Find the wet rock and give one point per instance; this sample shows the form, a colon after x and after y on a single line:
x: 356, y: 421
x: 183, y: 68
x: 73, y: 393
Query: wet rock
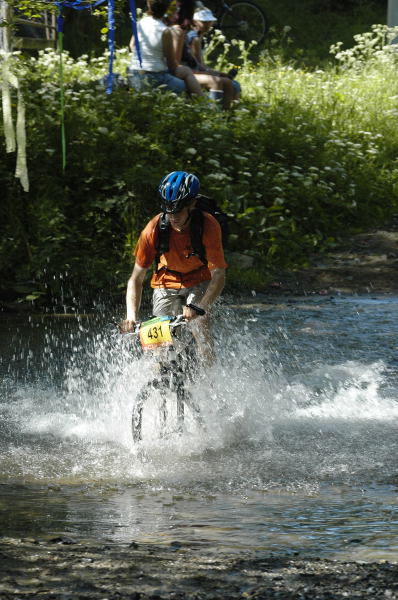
x: 62, y: 539
x: 92, y: 571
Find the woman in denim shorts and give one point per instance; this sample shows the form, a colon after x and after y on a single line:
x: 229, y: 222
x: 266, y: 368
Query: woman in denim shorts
x: 158, y: 66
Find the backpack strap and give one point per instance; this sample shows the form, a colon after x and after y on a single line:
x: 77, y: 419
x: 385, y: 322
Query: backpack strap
x: 196, y: 233
x: 163, y: 238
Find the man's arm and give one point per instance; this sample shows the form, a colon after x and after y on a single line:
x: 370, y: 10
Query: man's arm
x: 213, y: 291
x: 133, y: 298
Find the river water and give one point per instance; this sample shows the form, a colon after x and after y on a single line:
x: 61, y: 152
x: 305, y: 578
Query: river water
x: 299, y: 453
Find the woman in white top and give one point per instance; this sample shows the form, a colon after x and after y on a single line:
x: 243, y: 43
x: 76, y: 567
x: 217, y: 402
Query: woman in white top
x: 159, y: 65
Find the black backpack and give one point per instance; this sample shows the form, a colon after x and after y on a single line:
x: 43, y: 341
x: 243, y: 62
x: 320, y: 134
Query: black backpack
x: 203, y: 204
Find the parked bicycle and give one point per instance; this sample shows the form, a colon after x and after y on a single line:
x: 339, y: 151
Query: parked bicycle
x: 240, y: 19
x: 176, y: 365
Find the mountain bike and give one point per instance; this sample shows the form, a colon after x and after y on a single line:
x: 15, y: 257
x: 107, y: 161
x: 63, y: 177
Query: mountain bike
x: 241, y: 19
x: 175, y: 366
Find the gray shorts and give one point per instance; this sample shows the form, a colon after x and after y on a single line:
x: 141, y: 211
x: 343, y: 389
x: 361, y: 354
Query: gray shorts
x: 170, y: 302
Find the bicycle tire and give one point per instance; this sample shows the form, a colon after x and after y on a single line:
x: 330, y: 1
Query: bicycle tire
x: 140, y: 411
x: 183, y: 399
x: 137, y: 412
x: 152, y: 404
x: 244, y: 20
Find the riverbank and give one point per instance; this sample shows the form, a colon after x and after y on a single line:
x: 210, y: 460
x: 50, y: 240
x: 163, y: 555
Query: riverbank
x: 365, y: 263
x: 63, y: 568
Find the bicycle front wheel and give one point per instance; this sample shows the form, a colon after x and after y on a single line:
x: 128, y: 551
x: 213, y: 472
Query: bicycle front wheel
x: 151, y: 418
x: 244, y: 20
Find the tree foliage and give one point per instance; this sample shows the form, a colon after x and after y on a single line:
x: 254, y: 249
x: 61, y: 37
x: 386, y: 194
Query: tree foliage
x: 305, y: 156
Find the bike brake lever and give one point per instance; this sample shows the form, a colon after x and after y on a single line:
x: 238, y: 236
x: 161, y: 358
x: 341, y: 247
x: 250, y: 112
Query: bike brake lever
x: 178, y: 321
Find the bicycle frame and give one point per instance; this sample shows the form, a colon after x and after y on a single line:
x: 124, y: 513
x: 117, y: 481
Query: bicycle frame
x: 174, y: 368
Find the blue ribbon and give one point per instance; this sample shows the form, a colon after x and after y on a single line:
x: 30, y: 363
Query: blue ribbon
x: 133, y: 11
x: 79, y: 4
x: 60, y: 19
x: 83, y: 4
x: 111, y: 43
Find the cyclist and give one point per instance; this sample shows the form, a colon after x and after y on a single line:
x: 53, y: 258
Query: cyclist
x: 181, y: 282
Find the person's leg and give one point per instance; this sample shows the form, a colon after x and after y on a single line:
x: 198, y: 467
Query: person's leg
x: 228, y: 87
x: 237, y: 89
x: 200, y: 327
x: 174, y: 84
x: 213, y: 83
x: 190, y: 80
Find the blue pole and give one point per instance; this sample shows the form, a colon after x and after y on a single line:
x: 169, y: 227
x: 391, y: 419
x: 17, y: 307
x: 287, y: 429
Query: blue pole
x: 133, y: 11
x: 111, y: 43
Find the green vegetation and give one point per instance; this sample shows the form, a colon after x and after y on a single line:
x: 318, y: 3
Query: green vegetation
x: 316, y: 24
x: 307, y: 155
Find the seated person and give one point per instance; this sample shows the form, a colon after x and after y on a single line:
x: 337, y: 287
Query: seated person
x: 159, y: 62
x: 221, y: 85
x: 179, y: 17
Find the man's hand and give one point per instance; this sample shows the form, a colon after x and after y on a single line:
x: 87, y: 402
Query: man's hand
x: 189, y: 313
x: 127, y: 326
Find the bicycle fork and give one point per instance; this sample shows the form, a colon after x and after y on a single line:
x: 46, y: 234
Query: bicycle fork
x: 175, y: 382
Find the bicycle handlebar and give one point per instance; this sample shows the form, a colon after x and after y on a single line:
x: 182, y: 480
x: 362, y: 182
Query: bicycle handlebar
x: 175, y: 322
x: 178, y: 321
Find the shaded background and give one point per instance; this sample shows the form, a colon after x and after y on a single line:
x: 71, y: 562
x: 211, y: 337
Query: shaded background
x: 316, y: 24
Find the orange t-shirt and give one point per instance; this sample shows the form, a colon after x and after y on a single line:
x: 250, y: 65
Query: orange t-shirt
x: 189, y: 269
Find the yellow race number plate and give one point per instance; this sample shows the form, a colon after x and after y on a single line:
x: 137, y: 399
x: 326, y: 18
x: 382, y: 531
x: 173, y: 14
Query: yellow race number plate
x: 155, y: 333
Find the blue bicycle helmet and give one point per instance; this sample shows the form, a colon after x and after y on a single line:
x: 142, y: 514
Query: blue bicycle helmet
x: 177, y: 189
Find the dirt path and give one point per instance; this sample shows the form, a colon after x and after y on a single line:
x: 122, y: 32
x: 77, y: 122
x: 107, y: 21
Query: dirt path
x: 366, y: 263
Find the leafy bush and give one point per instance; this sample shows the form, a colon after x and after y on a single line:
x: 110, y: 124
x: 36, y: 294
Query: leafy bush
x: 305, y: 156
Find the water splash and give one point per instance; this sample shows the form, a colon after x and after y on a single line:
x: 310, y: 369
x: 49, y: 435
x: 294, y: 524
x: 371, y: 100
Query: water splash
x: 296, y: 449
x: 264, y: 425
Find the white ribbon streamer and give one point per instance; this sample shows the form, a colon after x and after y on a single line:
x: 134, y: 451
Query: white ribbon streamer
x: 7, y: 114
x: 21, y: 169
x: 19, y: 141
